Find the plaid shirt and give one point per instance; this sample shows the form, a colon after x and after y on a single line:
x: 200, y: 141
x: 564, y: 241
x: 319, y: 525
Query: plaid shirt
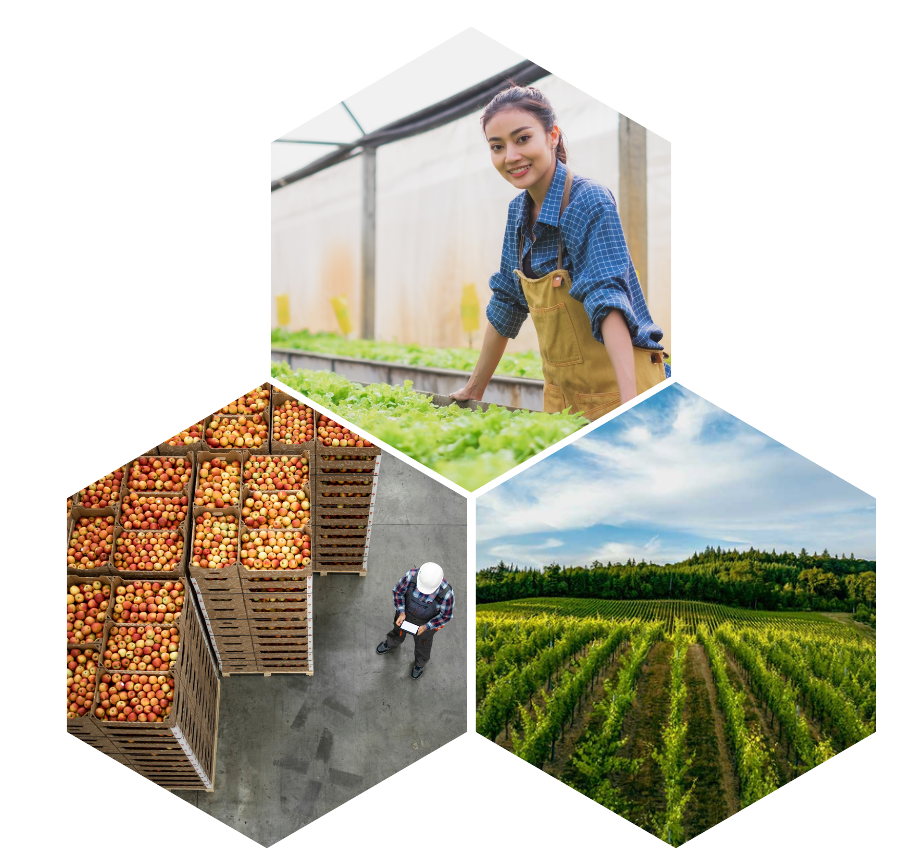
x: 595, y: 254
x: 444, y: 607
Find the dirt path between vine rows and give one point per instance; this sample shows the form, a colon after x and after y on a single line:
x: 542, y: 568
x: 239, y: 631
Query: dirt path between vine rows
x: 715, y: 794
x: 642, y: 732
x: 754, y: 713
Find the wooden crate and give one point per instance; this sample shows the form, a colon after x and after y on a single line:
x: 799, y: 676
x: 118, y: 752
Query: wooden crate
x: 354, y: 466
x: 76, y: 515
x: 221, y: 604
x: 253, y: 585
x: 278, y: 447
x: 325, y: 517
x: 327, y: 554
x: 296, y: 630
x: 219, y: 583
x: 222, y: 628
x: 176, y: 573
x: 292, y: 604
x: 346, y: 451
x: 106, y: 580
x: 325, y: 535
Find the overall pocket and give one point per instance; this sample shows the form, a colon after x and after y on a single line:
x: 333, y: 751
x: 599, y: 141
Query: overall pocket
x: 553, y: 399
x: 593, y: 406
x: 557, y: 339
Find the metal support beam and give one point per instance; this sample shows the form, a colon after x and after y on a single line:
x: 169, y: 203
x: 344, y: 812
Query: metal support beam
x: 368, y: 243
x: 634, y: 195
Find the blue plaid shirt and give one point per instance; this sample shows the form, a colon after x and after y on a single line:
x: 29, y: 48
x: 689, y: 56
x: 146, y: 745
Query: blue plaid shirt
x: 443, y: 607
x: 595, y: 254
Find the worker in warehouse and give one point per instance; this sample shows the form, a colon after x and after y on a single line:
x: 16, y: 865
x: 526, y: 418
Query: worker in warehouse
x: 424, y: 603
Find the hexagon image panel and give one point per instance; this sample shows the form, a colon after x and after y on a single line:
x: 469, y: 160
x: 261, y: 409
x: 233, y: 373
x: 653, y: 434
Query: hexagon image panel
x: 675, y: 615
x: 471, y: 233
x: 240, y: 600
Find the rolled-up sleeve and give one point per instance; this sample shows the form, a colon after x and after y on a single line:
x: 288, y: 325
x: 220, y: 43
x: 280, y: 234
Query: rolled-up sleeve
x: 506, y: 310
x: 603, y: 274
x: 398, y: 592
x: 445, y: 607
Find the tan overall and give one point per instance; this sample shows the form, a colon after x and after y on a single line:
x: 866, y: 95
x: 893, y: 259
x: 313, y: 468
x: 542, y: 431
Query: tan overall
x: 577, y: 369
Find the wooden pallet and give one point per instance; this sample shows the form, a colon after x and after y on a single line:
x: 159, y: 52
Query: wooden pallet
x: 361, y: 573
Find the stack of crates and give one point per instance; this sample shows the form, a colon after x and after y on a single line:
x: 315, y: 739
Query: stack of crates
x: 259, y: 620
x: 177, y: 752
x: 346, y: 480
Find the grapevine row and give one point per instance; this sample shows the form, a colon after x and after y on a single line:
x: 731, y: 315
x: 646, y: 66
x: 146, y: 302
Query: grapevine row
x: 516, y: 686
x: 838, y: 716
x: 596, y: 756
x: 753, y: 763
x: 779, y: 696
x: 672, y: 760
x: 544, y: 727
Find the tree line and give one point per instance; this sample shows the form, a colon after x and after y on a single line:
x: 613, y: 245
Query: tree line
x: 762, y: 580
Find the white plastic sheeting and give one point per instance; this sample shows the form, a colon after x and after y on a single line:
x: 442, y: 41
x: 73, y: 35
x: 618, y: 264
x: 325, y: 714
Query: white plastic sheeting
x: 441, y: 212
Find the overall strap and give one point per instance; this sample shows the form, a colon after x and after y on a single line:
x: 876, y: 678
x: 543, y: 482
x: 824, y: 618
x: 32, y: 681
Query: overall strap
x: 565, y: 200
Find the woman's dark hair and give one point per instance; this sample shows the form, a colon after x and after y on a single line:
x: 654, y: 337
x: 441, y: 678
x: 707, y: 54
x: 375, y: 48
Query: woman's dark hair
x: 529, y: 99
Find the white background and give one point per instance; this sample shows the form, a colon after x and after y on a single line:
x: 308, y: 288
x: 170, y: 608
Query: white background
x: 136, y: 213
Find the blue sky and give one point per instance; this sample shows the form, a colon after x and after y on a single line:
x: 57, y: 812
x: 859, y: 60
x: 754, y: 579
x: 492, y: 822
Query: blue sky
x: 664, y: 479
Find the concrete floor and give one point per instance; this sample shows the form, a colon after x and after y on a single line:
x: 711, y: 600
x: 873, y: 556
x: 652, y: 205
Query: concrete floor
x: 292, y: 747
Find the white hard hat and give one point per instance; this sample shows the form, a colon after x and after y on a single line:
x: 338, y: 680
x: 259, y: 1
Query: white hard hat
x: 429, y: 576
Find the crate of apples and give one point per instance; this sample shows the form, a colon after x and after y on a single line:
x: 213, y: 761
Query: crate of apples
x: 333, y: 464
x: 255, y: 402
x: 237, y: 431
x: 292, y: 423
x: 142, y: 511
x: 191, y: 436
x: 215, y: 541
x: 334, y: 489
x: 218, y: 484
x: 168, y: 474
x: 90, y: 544
x: 276, y: 472
x: 148, y: 602
x: 275, y: 550
x: 128, y: 697
x: 103, y: 493
x: 280, y: 509
x: 87, y: 606
x: 143, y: 550
x: 82, y: 676
x: 141, y: 647
x: 331, y: 434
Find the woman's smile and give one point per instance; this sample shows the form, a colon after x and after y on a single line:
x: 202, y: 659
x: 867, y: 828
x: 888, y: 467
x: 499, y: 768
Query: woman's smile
x: 522, y: 151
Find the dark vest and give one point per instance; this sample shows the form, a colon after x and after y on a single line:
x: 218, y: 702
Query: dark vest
x: 417, y: 610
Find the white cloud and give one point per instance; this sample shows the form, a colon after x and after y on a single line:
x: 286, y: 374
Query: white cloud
x: 679, y: 474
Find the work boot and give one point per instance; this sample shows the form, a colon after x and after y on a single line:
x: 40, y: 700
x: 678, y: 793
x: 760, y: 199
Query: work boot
x: 417, y: 672
x: 382, y: 648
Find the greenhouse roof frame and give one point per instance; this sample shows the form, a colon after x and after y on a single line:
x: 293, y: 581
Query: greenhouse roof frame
x: 432, y: 117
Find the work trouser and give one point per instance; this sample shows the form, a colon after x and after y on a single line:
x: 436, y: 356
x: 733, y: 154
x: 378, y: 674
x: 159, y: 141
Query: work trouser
x: 423, y: 642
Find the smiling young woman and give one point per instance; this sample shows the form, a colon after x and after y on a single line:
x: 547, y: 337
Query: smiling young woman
x: 565, y: 261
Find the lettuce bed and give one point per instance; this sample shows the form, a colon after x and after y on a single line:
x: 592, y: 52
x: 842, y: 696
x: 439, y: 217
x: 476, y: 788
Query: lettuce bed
x: 469, y: 448
x: 525, y: 365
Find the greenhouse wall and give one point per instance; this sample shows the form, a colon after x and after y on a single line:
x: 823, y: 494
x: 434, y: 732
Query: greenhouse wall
x: 441, y: 212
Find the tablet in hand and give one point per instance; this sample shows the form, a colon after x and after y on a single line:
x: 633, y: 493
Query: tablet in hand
x: 409, y: 626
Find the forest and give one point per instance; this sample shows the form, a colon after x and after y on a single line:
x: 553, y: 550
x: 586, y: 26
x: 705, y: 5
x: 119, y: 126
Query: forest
x: 761, y: 580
